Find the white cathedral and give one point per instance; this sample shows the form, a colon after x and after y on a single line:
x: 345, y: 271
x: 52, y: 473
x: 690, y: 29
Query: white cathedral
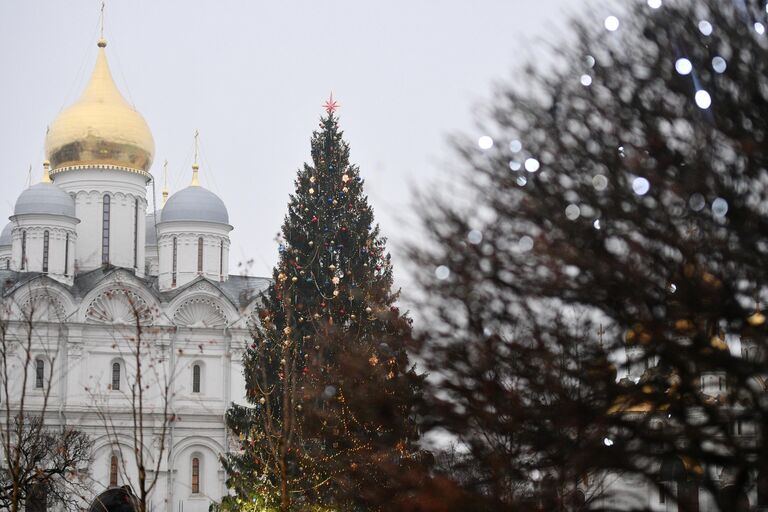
x: 86, y: 258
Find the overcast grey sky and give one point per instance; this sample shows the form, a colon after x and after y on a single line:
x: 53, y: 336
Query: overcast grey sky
x: 252, y: 75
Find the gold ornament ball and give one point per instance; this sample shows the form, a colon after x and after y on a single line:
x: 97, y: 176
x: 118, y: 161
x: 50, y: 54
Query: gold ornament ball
x: 262, y: 400
x: 311, y: 191
x: 368, y: 309
x: 294, y: 279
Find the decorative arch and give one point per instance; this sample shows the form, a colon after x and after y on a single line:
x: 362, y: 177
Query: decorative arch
x: 118, y: 443
x: 118, y: 306
x: 45, y: 299
x: 195, y: 444
x: 200, y: 311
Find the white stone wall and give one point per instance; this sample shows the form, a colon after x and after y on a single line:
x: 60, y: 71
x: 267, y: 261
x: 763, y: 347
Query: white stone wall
x: 5, y: 257
x: 35, y: 226
x: 88, y: 187
x: 187, y: 234
x: 81, y: 339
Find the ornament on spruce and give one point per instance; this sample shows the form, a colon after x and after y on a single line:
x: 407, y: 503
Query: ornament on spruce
x: 262, y: 400
x: 345, y: 178
x: 287, y: 330
x: 335, y: 293
x: 311, y: 179
x: 281, y: 277
x: 335, y: 280
x: 294, y: 279
x: 311, y: 243
x: 332, y: 266
x: 311, y: 191
x: 345, y: 190
x: 373, y: 360
x: 368, y: 309
x: 282, y: 362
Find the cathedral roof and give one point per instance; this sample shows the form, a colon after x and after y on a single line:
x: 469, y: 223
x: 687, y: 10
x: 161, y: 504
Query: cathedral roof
x: 195, y: 203
x: 45, y: 198
x: 101, y: 129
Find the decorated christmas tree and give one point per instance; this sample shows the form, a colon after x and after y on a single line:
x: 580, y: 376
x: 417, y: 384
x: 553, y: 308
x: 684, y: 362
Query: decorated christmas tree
x: 329, y: 382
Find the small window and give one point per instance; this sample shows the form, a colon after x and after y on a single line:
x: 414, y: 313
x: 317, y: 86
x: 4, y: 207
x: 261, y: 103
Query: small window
x: 66, y: 255
x: 37, y: 500
x: 136, y: 233
x: 175, y: 255
x: 200, y: 255
x: 105, y: 231
x: 113, y: 471
x: 195, y: 476
x: 23, y: 250
x: 221, y: 261
x: 39, y: 374
x: 116, y: 376
x: 46, y: 246
x: 196, y: 378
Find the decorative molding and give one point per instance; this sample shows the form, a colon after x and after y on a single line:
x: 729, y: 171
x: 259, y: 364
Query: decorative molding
x: 41, y: 303
x: 118, y: 306
x: 200, y: 312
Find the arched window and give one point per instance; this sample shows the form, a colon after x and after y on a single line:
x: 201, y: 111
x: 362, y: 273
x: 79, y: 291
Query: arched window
x: 200, y: 255
x: 196, y: 370
x: 116, y: 376
x: 221, y: 261
x: 136, y: 233
x: 37, y: 499
x: 175, y: 255
x: 39, y: 373
x: 66, y: 255
x: 46, y: 246
x: 195, y: 475
x: 113, y: 471
x: 105, y: 231
x: 23, y: 250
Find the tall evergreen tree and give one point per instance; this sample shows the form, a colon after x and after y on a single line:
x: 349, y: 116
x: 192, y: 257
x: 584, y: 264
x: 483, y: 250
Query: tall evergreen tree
x: 327, y: 374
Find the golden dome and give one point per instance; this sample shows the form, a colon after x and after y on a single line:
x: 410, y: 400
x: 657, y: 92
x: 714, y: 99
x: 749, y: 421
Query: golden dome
x: 101, y: 129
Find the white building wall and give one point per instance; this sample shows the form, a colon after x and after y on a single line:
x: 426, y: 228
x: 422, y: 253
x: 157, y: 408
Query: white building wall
x: 187, y: 235
x: 88, y: 186
x: 35, y: 226
x: 5, y: 257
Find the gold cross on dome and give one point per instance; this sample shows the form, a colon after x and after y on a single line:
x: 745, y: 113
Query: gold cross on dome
x: 330, y: 106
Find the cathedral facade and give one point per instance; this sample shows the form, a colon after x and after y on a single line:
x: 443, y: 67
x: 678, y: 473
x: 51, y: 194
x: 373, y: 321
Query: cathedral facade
x: 105, y: 287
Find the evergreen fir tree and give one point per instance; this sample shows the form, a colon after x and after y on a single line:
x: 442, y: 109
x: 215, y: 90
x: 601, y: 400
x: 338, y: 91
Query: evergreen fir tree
x: 327, y: 374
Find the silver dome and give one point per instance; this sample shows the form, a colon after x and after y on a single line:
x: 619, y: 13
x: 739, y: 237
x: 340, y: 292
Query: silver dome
x: 5, y: 235
x: 195, y: 203
x: 150, y: 235
x: 45, y: 198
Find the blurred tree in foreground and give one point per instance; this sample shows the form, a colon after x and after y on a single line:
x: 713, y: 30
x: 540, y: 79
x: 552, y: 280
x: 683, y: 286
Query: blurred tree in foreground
x: 330, y: 385
x: 582, y: 299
